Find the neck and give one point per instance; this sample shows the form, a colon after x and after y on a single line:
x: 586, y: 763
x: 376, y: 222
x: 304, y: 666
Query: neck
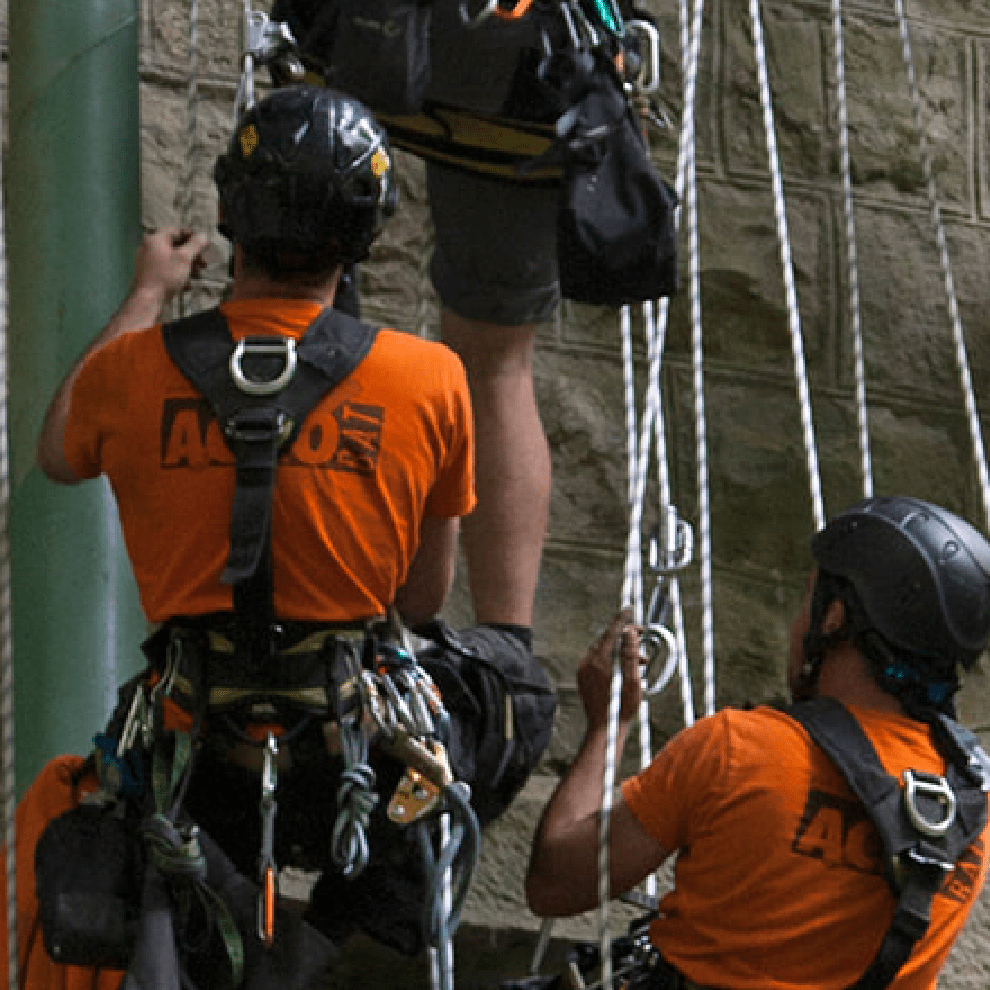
x: 847, y: 677
x: 252, y: 284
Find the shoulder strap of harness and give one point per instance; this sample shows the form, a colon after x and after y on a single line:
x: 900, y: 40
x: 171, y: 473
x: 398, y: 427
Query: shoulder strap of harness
x: 261, y: 390
x: 925, y: 826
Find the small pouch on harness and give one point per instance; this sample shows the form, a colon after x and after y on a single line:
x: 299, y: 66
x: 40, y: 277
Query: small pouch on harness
x: 89, y: 865
x: 616, y: 236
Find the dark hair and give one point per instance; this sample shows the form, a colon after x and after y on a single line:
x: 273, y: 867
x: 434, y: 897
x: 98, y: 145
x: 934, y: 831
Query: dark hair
x: 920, y: 682
x: 291, y: 263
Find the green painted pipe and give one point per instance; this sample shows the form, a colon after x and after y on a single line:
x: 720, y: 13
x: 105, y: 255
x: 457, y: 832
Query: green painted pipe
x: 73, y: 221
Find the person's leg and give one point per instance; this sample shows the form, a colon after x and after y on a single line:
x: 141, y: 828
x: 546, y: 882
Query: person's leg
x: 494, y: 268
x: 503, y: 537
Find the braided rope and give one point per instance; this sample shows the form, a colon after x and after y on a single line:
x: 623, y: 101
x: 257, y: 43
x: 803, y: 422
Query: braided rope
x: 851, y: 253
x: 790, y: 289
x: 637, y: 447
x: 186, y: 197
x: 8, y: 751
x: 698, y: 376
x: 959, y: 338
x: 356, y: 800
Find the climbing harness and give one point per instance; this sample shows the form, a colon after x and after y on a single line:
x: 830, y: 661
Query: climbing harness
x: 486, y: 133
x: 925, y: 826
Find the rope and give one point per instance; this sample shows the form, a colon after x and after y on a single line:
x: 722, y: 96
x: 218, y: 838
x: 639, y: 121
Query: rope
x: 638, y: 446
x: 356, y: 800
x: 186, y: 193
x: 851, y: 253
x: 8, y: 752
x: 790, y: 290
x: 448, y: 878
x: 697, y: 353
x: 962, y: 361
x: 186, y: 196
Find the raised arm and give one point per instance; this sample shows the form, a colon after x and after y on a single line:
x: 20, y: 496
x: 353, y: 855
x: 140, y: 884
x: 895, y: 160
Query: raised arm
x: 163, y: 266
x: 563, y: 870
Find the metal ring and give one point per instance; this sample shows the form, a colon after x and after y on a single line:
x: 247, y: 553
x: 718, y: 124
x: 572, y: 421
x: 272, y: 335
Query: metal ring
x: 285, y: 346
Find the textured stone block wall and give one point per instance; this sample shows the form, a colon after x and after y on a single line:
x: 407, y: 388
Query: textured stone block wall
x: 761, y: 509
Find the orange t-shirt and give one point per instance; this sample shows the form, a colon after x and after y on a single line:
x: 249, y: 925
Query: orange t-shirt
x: 779, y: 879
x: 391, y: 444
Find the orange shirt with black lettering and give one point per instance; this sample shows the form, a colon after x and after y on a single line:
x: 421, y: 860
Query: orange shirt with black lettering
x: 389, y: 445
x: 779, y: 880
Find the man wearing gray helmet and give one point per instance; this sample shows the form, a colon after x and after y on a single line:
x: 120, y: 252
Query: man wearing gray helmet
x: 839, y: 842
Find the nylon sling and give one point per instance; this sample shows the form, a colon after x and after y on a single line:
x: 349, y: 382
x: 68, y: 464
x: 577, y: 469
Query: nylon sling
x: 261, y: 390
x: 918, y: 857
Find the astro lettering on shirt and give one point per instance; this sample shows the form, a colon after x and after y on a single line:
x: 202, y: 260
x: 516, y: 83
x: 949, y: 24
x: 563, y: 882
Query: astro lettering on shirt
x: 346, y: 437
x: 838, y: 832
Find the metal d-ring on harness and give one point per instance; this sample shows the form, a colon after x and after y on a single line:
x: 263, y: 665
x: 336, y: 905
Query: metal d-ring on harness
x: 261, y: 391
x: 925, y: 826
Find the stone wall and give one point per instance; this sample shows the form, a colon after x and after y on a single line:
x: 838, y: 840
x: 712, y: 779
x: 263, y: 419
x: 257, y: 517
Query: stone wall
x: 760, y: 505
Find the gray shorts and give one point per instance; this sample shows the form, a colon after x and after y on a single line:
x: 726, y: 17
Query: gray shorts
x: 496, y: 247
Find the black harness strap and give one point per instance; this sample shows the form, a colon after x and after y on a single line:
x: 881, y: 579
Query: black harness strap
x: 261, y: 390
x: 923, y: 837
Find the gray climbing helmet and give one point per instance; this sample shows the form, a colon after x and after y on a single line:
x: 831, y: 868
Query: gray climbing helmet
x: 920, y: 573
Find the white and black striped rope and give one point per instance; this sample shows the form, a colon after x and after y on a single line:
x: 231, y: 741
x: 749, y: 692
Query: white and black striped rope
x: 958, y: 334
x: 790, y: 289
x: 855, y: 322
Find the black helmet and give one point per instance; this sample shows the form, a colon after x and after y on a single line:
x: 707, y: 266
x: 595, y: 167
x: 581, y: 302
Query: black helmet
x: 307, y: 167
x: 920, y: 573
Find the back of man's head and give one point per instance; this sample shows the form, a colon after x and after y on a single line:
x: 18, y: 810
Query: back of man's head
x: 915, y: 582
x: 306, y: 182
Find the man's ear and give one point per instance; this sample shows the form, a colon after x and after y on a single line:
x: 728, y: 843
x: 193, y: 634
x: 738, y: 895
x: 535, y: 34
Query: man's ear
x: 835, y: 616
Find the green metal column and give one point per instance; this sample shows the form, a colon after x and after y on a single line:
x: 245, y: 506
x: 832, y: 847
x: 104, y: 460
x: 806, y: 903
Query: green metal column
x: 73, y: 221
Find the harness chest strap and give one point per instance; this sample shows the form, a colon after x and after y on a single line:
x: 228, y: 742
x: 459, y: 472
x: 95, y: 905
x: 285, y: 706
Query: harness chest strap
x: 261, y: 391
x: 925, y: 828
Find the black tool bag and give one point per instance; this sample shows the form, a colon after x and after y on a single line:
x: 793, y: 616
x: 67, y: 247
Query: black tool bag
x: 89, y: 867
x: 501, y: 705
x: 616, y: 230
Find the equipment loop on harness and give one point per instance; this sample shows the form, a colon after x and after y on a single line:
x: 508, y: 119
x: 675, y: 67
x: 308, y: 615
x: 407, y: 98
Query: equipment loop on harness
x: 937, y: 790
x: 258, y: 346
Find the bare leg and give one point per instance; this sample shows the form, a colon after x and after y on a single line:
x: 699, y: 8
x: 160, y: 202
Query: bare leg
x: 503, y: 537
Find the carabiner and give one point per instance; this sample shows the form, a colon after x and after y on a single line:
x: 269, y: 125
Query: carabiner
x: 647, y: 81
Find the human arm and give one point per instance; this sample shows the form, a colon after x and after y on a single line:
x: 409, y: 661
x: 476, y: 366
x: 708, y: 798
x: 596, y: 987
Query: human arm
x: 163, y: 265
x: 431, y: 573
x: 562, y: 878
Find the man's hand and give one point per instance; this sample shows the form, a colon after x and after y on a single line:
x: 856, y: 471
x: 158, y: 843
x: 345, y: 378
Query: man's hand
x: 163, y: 266
x: 562, y: 878
x: 166, y: 262
x: 594, y: 676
